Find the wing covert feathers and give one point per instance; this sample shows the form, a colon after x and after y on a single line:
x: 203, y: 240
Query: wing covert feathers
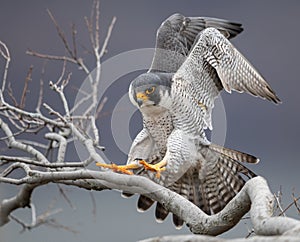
x: 234, y: 70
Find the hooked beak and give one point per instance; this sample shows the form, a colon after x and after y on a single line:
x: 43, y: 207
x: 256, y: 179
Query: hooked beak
x: 141, y: 98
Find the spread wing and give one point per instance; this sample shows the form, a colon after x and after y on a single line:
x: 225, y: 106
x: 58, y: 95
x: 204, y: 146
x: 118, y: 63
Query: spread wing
x: 176, y: 36
x: 213, y: 64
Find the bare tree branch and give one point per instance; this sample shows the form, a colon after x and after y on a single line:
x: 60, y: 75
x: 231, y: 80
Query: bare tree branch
x: 255, y: 194
x: 206, y: 238
x: 17, y: 145
x: 21, y: 200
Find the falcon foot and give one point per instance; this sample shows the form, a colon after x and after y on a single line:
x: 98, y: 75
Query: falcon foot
x: 122, y: 169
x: 158, y: 167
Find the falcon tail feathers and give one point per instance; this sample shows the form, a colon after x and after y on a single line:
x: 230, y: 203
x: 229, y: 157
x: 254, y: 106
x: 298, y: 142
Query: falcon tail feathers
x: 126, y: 195
x: 144, y: 203
x: 210, y: 186
x: 234, y: 154
x: 160, y: 212
x: 222, y: 181
x: 178, y: 222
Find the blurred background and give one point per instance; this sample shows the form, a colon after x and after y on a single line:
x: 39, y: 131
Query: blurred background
x: 270, y: 41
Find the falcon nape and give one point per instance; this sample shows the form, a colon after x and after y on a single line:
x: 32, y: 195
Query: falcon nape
x: 193, y: 62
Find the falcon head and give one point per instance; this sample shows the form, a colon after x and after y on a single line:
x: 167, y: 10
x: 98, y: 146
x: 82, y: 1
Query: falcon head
x: 151, y: 90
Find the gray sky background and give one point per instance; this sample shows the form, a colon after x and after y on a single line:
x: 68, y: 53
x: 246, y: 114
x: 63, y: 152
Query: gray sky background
x: 270, y: 41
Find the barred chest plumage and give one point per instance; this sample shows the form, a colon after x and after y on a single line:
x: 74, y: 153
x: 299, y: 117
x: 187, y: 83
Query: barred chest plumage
x: 158, y: 121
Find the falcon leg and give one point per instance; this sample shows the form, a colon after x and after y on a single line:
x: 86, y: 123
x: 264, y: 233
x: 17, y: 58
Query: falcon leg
x: 158, y: 167
x: 123, y: 169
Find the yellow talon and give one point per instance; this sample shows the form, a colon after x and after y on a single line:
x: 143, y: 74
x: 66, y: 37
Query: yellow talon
x: 123, y: 169
x: 158, y: 167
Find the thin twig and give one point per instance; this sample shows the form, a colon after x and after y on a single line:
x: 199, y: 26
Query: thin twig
x: 291, y: 204
x: 100, y: 107
x: 42, y: 219
x: 277, y: 199
x: 33, y: 214
x: 94, y: 204
x: 54, y: 224
x: 31, y: 115
x: 250, y: 232
x: 11, y: 94
x: 33, y: 143
x: 66, y: 80
x: 81, y: 101
x: 50, y: 57
x: 53, y: 112
x: 60, y: 90
x: 89, y: 25
x: 65, y: 196
x: 104, y: 46
x: 96, y: 32
x: 25, y: 89
x: 62, y: 74
x: 6, y: 159
x: 61, y: 35
x: 40, y: 99
x: 6, y: 55
x: 74, y: 32
x: 296, y: 202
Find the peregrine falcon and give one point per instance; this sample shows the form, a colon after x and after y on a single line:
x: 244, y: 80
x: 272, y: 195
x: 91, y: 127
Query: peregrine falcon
x: 193, y: 62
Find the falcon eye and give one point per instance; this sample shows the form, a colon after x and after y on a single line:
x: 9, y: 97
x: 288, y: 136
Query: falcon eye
x: 150, y: 90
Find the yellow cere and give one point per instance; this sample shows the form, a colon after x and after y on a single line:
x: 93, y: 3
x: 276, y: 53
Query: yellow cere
x: 141, y: 95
